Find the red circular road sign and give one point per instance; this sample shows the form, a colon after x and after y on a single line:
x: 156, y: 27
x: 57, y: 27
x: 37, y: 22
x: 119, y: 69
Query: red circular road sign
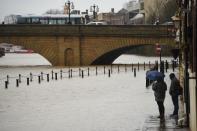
x: 158, y: 48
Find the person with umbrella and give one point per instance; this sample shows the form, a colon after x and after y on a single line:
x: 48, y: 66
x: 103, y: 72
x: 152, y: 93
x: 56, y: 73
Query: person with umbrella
x: 159, y: 89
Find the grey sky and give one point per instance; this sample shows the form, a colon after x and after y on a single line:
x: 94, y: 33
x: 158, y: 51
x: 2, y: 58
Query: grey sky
x: 8, y: 7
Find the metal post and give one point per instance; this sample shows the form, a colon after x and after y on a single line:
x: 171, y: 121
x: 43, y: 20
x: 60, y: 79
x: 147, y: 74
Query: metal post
x: 96, y: 70
x: 17, y: 83
x: 52, y: 74
x: 55, y: 76
x: 134, y: 72
x: 19, y: 78
x: 31, y: 77
x: 82, y: 74
x: 109, y: 73
x: 7, y: 79
x: 6, y: 84
x: 27, y: 81
x: 39, y: 79
x: 47, y: 77
x: 61, y: 74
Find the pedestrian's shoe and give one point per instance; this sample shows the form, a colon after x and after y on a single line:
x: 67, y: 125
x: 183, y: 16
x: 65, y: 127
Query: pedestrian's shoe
x: 174, y: 115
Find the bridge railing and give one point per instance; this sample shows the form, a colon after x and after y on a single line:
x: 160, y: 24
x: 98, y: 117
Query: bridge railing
x: 88, y: 30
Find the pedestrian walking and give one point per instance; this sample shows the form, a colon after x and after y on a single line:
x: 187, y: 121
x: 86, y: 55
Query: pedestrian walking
x: 175, y: 90
x: 159, y: 89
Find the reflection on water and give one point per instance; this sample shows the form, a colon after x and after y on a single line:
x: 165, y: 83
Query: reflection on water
x: 129, y: 59
x: 31, y: 59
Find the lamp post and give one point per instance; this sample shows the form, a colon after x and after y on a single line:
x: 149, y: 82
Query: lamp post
x: 94, y: 9
x: 70, y: 6
x: 158, y: 50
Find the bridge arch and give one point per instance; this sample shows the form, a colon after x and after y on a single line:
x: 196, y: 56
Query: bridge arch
x: 45, y: 46
x: 12, y: 48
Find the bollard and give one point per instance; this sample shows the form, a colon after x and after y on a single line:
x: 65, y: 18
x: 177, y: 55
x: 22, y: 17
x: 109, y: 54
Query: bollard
x: 6, y: 84
x: 39, y: 79
x: 144, y: 66
x: 138, y: 66
x: 109, y: 73
x: 27, y: 81
x: 17, y: 83
x: 47, y: 77
x: 173, y: 66
x: 42, y: 76
x: 82, y: 73
x: 132, y: 67
x: 31, y: 77
x: 52, y: 74
x: 88, y: 71
x: 134, y: 72
x: 125, y: 67
x: 19, y: 78
x: 118, y: 69
x: 104, y: 70
x: 71, y: 73
x: 55, y: 76
x: 68, y: 73
x: 96, y: 70
x: 8, y: 79
x: 61, y: 74
x: 79, y: 72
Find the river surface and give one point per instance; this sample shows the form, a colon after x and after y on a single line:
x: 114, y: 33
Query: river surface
x: 96, y: 102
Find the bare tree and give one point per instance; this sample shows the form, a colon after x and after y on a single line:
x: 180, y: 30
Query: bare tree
x: 162, y: 10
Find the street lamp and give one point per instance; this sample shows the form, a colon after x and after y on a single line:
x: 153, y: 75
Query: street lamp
x: 94, y: 9
x: 158, y: 50
x: 69, y: 6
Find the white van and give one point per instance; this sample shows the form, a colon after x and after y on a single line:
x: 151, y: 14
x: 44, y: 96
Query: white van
x: 97, y: 23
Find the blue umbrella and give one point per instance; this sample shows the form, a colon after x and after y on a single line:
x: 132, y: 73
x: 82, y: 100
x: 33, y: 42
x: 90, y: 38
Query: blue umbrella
x: 154, y: 75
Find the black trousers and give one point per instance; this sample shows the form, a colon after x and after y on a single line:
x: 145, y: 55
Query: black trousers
x: 161, y: 108
x: 175, y: 101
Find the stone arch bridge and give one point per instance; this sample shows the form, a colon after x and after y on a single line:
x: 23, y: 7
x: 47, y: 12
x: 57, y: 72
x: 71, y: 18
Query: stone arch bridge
x: 78, y: 45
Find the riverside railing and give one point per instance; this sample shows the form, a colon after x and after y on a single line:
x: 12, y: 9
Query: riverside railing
x: 81, y: 72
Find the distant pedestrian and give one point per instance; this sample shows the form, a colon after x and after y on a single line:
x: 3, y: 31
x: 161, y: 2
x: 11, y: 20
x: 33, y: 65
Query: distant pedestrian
x: 175, y: 91
x: 159, y: 89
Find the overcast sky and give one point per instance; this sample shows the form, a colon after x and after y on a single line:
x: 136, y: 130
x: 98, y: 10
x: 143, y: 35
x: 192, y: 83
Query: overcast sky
x: 8, y: 7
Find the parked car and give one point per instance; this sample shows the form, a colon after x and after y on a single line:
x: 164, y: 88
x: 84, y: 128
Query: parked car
x: 97, y: 23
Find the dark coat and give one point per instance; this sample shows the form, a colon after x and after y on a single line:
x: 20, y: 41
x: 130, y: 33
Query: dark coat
x: 174, y: 87
x: 159, y: 89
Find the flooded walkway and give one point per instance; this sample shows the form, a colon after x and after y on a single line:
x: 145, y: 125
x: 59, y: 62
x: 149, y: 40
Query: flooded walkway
x: 152, y: 123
